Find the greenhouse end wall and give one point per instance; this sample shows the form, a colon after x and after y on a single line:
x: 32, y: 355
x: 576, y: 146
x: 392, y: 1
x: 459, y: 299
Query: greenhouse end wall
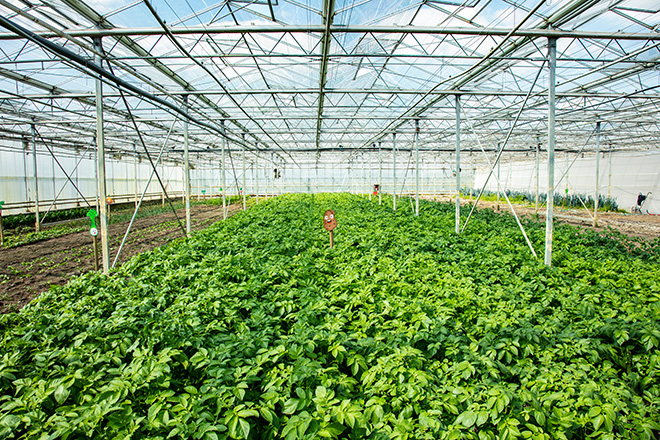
x: 623, y: 175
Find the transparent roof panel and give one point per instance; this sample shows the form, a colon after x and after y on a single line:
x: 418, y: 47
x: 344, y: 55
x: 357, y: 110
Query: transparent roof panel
x: 309, y: 75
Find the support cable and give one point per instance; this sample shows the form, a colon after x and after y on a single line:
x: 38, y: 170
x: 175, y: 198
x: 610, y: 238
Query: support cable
x: 61, y: 168
x: 212, y: 75
x: 88, y: 65
x: 499, y: 153
x: 57, y: 196
x: 146, y: 150
x: 153, y: 171
x: 506, y: 197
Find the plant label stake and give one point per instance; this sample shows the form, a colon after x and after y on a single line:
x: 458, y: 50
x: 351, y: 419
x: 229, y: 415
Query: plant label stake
x: 330, y: 223
x: 2, y: 234
x: 92, y: 214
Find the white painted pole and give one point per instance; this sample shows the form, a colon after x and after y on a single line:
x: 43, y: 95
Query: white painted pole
x: 552, y: 58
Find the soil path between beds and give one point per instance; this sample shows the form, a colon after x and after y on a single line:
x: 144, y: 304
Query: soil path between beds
x: 28, y: 270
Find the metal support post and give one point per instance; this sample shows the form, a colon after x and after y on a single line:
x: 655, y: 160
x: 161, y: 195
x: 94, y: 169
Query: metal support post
x: 552, y: 64
x: 416, y: 166
x: 380, y: 173
x: 244, y: 190
x: 37, y: 223
x: 536, y: 186
x: 256, y: 175
x: 458, y: 163
x: 186, y: 167
x: 100, y: 160
x: 499, y: 162
x: 223, y: 188
x: 394, y: 171
x: 609, y: 171
x: 135, y: 174
x: 597, y: 173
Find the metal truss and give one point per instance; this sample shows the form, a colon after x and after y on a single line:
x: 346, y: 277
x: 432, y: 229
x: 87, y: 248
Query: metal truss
x: 329, y: 78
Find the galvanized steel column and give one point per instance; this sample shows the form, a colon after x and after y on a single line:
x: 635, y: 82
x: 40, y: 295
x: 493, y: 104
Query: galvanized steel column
x: 380, y: 173
x: 597, y: 173
x: 224, y: 189
x: 394, y: 171
x: 100, y: 149
x: 536, y: 187
x: 186, y: 166
x: 135, y: 173
x: 458, y: 163
x: 37, y: 223
x: 243, y: 189
x: 416, y: 166
x: 256, y: 175
x: 552, y: 64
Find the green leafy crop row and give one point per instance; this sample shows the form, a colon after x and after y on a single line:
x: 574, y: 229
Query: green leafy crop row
x: 254, y: 328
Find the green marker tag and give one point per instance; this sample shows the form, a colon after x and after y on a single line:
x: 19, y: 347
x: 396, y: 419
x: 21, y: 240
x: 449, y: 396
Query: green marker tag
x: 2, y: 203
x: 566, y: 190
x: 92, y: 214
x: 220, y: 189
x: 203, y: 191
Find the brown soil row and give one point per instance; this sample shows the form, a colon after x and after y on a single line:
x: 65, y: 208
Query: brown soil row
x: 28, y: 270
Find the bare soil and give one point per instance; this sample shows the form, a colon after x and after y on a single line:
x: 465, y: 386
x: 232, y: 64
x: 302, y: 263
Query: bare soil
x: 634, y: 225
x: 28, y: 270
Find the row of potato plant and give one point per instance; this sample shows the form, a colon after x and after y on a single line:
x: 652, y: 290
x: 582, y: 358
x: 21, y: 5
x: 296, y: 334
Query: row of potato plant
x: 255, y: 328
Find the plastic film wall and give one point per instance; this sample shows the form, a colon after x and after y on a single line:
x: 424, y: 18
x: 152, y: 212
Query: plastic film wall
x: 623, y: 175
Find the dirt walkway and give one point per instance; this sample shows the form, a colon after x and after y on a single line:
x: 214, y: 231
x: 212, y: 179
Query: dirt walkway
x: 28, y: 270
x: 634, y: 225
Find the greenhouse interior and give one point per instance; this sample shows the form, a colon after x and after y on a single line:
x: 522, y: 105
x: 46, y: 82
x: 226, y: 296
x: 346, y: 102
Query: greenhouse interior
x: 349, y: 219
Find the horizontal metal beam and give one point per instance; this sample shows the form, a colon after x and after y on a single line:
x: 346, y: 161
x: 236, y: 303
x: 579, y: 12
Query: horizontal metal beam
x: 359, y: 29
x: 312, y: 91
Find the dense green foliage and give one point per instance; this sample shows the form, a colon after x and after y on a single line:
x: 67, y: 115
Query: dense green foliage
x: 254, y: 328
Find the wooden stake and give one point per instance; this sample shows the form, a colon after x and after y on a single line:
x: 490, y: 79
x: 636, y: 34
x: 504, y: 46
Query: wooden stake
x: 332, y: 243
x: 96, y: 253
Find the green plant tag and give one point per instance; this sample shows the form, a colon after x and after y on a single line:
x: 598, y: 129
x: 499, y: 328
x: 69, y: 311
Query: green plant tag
x: 2, y: 203
x: 92, y: 214
x: 203, y: 191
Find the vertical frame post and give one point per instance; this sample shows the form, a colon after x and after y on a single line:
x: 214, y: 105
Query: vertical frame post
x: 552, y: 64
x: 394, y: 171
x: 597, y: 173
x: 416, y: 166
x: 223, y: 188
x: 458, y: 163
x: 256, y: 175
x: 244, y: 189
x: 186, y: 166
x: 37, y: 223
x: 380, y: 173
x: 536, y: 186
x: 100, y: 160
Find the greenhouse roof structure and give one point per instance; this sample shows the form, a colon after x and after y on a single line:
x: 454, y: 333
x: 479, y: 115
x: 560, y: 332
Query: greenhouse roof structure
x: 302, y: 78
